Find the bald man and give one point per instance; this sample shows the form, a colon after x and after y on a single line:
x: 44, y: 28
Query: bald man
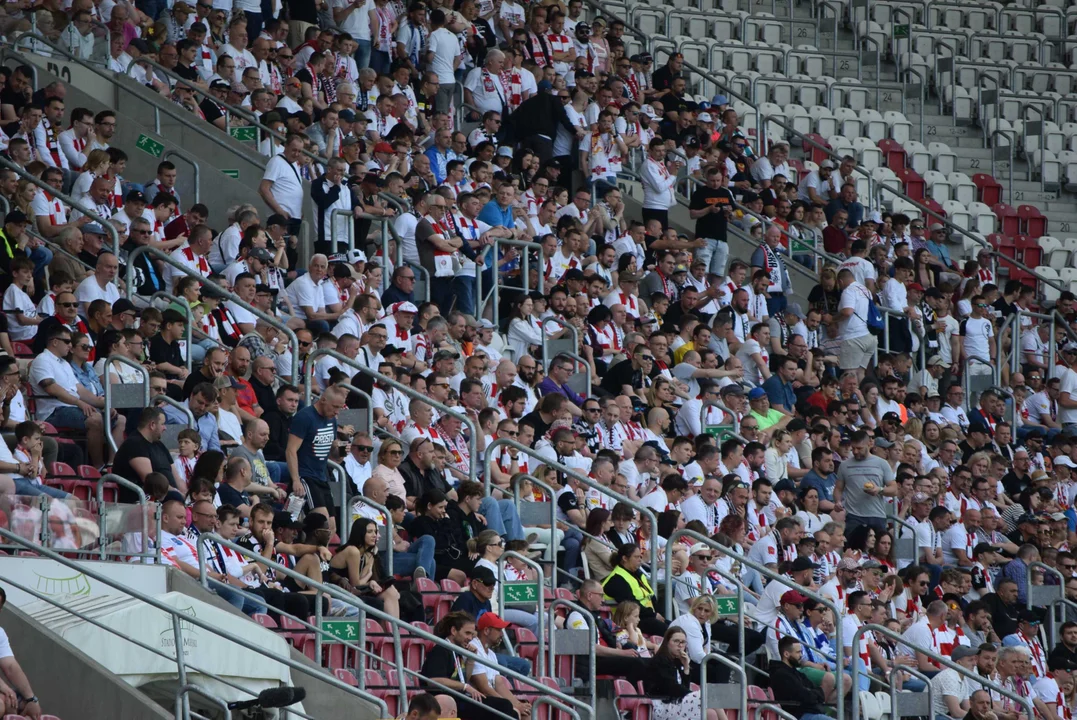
x: 504, y: 376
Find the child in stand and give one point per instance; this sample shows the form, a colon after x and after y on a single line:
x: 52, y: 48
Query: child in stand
x: 190, y: 444
x: 59, y: 282
x: 29, y: 442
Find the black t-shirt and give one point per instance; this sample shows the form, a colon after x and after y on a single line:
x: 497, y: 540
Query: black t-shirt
x: 187, y: 72
x: 442, y: 663
x: 712, y: 225
x: 567, y: 501
x: 211, y: 110
x: 662, y: 79
x: 541, y: 427
x: 195, y: 378
x: 16, y: 100
x: 230, y: 496
x: 164, y: 352
x: 304, y: 76
x: 136, y: 446
x: 823, y: 300
x: 619, y: 375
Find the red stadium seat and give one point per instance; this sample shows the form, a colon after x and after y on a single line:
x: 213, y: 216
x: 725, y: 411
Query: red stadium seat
x: 629, y: 701
x: 265, y: 621
x: 914, y: 184
x: 62, y: 469
x: 989, y: 189
x: 893, y: 155
x: 1033, y: 223
x: 22, y: 349
x: 1008, y: 222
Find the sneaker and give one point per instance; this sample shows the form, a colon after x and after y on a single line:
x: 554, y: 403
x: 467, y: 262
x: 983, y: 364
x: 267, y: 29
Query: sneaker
x: 417, y: 574
x: 532, y: 538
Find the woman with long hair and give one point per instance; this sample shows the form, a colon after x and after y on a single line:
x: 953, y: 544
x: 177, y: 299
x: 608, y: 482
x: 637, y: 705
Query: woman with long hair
x: 775, y: 461
x: 628, y: 582
x: 884, y: 543
x: 860, y: 541
x: 808, y: 511
x: 922, y: 267
x: 668, y: 683
x: 696, y: 624
x: 357, y: 561
x: 597, y: 547
x: 210, y: 466
x: 826, y: 296
x: 624, y: 621
x: 623, y: 517
x: 524, y: 330
x: 431, y: 510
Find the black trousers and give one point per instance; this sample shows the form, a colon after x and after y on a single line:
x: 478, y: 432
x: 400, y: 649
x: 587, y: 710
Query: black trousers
x: 661, y: 216
x: 279, y: 602
x: 729, y: 634
x: 632, y: 669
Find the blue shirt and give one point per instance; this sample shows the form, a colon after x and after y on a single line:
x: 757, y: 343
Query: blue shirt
x: 470, y: 604
x: 548, y: 386
x: 824, y: 486
x: 318, y: 434
x: 88, y: 378
x: 1016, y: 570
x: 940, y: 252
x: 207, y: 426
x: 780, y: 393
x: 493, y: 215
x: 855, y: 210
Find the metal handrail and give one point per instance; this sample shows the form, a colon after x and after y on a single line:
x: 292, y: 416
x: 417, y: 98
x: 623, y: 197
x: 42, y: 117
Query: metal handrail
x: 1061, y: 583
x: 143, y: 505
x: 187, y: 158
x: 567, y: 326
x: 773, y: 576
x: 938, y: 659
x: 390, y: 528
x: 473, y: 439
x: 183, y: 706
x: 247, y: 115
x: 67, y: 200
x: 592, y: 632
x: 108, y: 388
x: 501, y: 580
x: 514, y: 482
x: 583, y: 480
x: 525, y: 268
x: 397, y: 624
x: 176, y: 615
x: 1016, y: 352
x: 174, y: 114
x: 267, y: 319
x: 741, y: 696
x: 894, y: 692
x: 905, y: 525
x: 350, y: 214
x: 191, y: 421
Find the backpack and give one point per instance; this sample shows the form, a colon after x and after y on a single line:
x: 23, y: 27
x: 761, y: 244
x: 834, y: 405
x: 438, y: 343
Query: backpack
x: 875, y: 321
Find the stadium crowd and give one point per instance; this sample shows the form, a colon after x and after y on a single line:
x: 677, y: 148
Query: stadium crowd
x: 779, y: 429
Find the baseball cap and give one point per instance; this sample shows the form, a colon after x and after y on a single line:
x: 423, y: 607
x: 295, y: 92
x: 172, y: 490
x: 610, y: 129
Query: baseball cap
x: 915, y: 286
x: 491, y: 620
x: 795, y: 309
x: 698, y: 548
x: 485, y: 324
x: 871, y: 565
x: 484, y: 575
x: 792, y: 597
x: 892, y: 416
x: 123, y: 305
x: 826, y: 165
x: 785, y: 484
x: 960, y: 652
x: 803, y: 563
x: 937, y: 360
x: 756, y: 393
x: 937, y: 226
x: 356, y: 256
x: 1058, y: 517
x: 283, y: 520
x: 1070, y: 347
x: 848, y: 564
x: 18, y: 216
x: 705, y: 118
x: 505, y: 151
x: 404, y: 307
x: 261, y: 254
x: 733, y: 389
x: 226, y: 381
x: 1028, y: 518
x: 1063, y: 460
x: 883, y: 443
x: 383, y: 147
x: 922, y: 498
x: 442, y: 354
x: 719, y: 100
x: 984, y: 547
x: 136, y: 196
x: 627, y: 277
x: 979, y: 427
x: 347, y: 115
x: 220, y: 85
x: 350, y: 140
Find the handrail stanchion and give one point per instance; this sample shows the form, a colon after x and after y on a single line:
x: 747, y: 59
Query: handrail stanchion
x: 174, y: 152
x: 108, y: 389
x: 540, y: 602
x: 191, y: 422
x: 88, y: 570
x: 742, y: 695
x: 100, y: 494
x: 293, y: 342
x: 592, y: 631
x: 473, y: 439
x: 1061, y: 584
x: 390, y: 531
x: 583, y: 480
x: 350, y: 215
x: 188, y: 325
x: 353, y: 601
x: 515, y: 482
x: 773, y: 576
x: 894, y: 692
x: 940, y: 660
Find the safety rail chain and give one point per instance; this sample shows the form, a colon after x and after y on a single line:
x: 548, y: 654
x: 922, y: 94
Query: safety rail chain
x: 182, y: 117
x: 556, y: 698
x: 178, y: 618
x: 293, y: 342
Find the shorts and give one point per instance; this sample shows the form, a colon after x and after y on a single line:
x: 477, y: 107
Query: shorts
x: 857, y: 352
x: 318, y: 495
x: 69, y: 417
x: 815, y: 675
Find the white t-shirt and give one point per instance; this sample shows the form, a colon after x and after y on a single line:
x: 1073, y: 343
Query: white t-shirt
x: 862, y: 269
x: 17, y: 300
x: 957, y: 538
x: 89, y: 290
x: 5, y: 645
x: 854, y: 296
x: 287, y: 188
x: 752, y: 373
x: 976, y: 334
x: 357, y: 24
x: 302, y: 292
x: 486, y: 89
x: 1068, y: 386
x: 47, y: 366
x: 445, y: 46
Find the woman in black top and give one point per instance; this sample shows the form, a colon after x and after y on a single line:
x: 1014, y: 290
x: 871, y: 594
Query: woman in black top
x: 667, y: 682
x: 433, y: 519
x: 626, y: 565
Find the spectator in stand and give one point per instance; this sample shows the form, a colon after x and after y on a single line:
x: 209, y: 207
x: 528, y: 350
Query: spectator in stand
x: 312, y: 433
x: 16, y: 693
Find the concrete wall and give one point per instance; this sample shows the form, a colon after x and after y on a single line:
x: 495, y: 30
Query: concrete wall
x: 70, y: 683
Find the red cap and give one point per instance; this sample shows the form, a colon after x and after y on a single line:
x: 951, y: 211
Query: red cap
x: 383, y: 147
x: 915, y: 286
x: 491, y: 620
x: 792, y: 597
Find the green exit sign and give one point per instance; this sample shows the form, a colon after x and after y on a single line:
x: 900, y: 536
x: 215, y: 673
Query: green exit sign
x: 244, y: 134
x: 901, y: 31
x: 341, y: 630
x: 150, y: 146
x: 234, y: 174
x: 721, y: 433
x: 727, y: 606
x: 523, y: 592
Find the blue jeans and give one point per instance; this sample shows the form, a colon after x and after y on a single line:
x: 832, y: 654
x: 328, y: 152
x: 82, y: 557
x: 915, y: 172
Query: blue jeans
x: 379, y: 61
x: 246, y: 605
x: 776, y: 304
x: 41, y: 256
x: 463, y: 289
x: 277, y: 470
x: 571, y: 543
x: 67, y: 417
x: 420, y: 554
x: 28, y: 487
x: 815, y: 716
x: 362, y: 55
x: 716, y: 254
x: 514, y: 663
x: 254, y: 23
x: 501, y: 517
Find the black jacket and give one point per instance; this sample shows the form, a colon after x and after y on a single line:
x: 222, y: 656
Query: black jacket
x: 666, y: 680
x: 279, y: 425
x: 417, y: 482
x: 538, y: 115
x: 1003, y: 616
x: 793, y: 691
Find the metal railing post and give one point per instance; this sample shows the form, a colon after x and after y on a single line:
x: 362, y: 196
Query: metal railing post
x: 176, y: 153
x: 501, y: 580
x: 350, y: 215
x: 108, y: 389
x: 592, y: 631
x: 517, y: 499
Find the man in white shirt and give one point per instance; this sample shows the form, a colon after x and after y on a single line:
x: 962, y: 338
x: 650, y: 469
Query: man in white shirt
x: 815, y: 187
x: 858, y: 345
x: 282, y: 184
x: 773, y: 163
x: 483, y: 88
x: 960, y: 539
x: 977, y: 333
x: 308, y: 297
x: 658, y: 183
x: 1067, y: 392
x: 447, y: 57
x: 101, y: 285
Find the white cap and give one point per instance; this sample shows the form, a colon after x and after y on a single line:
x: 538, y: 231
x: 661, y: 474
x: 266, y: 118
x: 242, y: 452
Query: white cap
x: 356, y: 256
x: 705, y: 117
x: 404, y: 307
